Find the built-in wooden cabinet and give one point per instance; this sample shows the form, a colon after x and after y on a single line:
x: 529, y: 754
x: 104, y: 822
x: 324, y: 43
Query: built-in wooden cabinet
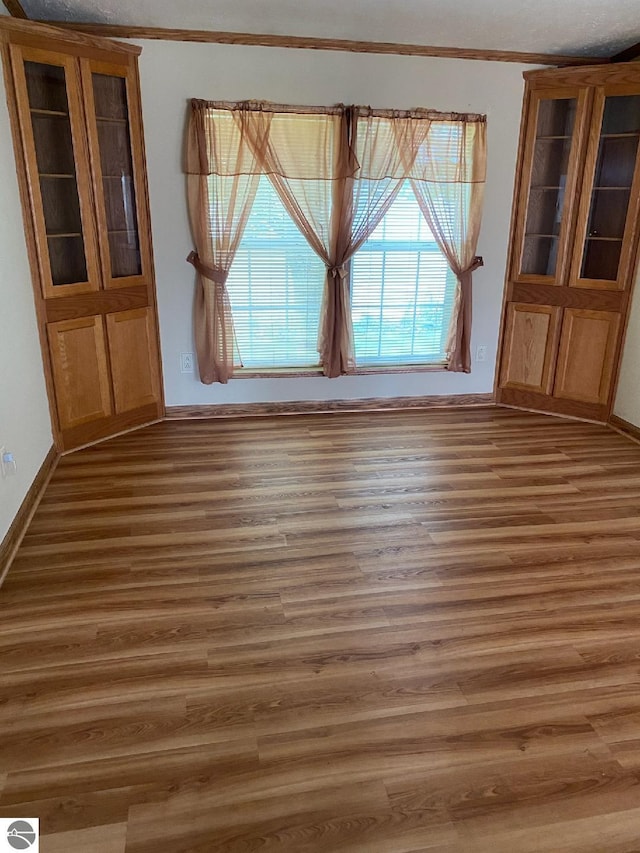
x: 79, y: 148
x: 574, y: 240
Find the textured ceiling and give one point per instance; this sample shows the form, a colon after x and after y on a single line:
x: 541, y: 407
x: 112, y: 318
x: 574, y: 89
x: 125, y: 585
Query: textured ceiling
x: 588, y: 27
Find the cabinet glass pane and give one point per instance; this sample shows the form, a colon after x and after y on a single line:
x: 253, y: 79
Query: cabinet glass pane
x: 112, y: 116
x: 615, y: 166
x: 549, y: 169
x: 49, y: 107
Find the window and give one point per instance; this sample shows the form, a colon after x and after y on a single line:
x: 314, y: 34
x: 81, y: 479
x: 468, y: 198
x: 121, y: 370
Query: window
x: 386, y: 275
x: 275, y: 287
x: 402, y: 290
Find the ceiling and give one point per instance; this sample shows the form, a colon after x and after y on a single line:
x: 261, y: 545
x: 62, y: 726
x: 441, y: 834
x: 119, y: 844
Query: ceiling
x: 581, y: 27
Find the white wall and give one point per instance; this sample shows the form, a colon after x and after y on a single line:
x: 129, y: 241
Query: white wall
x: 627, y: 403
x: 25, y: 426
x: 173, y: 72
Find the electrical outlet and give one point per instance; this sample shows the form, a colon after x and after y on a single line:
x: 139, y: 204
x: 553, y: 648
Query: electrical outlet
x: 186, y: 362
x: 481, y: 353
x: 8, y: 464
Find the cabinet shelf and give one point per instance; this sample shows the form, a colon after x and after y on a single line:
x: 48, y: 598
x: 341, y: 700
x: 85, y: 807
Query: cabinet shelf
x: 629, y: 135
x: 64, y: 234
x: 56, y: 175
x: 109, y: 120
x: 40, y: 112
x: 605, y: 239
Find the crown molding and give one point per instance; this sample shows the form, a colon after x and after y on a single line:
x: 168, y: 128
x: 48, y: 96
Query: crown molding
x: 313, y: 43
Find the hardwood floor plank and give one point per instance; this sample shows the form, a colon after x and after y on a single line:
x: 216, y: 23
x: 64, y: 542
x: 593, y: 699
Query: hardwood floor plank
x: 616, y: 832
x: 383, y: 632
x: 501, y: 797
x: 290, y: 822
x: 98, y: 839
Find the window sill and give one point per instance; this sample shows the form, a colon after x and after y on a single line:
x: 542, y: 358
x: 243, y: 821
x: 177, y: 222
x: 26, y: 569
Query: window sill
x: 299, y: 372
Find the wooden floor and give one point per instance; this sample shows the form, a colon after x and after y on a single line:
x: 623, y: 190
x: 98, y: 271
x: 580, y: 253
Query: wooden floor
x: 383, y: 633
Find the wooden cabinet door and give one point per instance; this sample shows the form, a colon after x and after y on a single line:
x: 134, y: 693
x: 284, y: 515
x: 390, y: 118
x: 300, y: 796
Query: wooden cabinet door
x: 529, y: 347
x: 116, y: 146
x: 56, y: 156
x: 607, y: 225
x: 80, y: 370
x: 132, y: 348
x: 588, y: 345
x: 555, y: 127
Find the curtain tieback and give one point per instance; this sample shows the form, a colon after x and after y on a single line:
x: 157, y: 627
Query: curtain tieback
x: 338, y: 272
x: 475, y: 264
x: 212, y: 273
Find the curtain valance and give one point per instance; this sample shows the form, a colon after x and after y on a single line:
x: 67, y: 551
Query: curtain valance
x: 218, y: 136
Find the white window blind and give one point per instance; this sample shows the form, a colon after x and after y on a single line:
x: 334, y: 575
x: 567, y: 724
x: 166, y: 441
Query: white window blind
x: 402, y: 290
x: 275, y: 287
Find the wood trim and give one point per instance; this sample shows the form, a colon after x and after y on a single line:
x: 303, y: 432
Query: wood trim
x: 14, y: 8
x: 19, y: 525
x: 298, y: 372
x: 314, y: 43
x: 515, y: 200
x: 567, y: 297
x: 625, y: 427
x: 100, y: 440
x: 144, y: 199
x: 305, y: 407
x: 90, y: 433
x: 625, y: 316
x: 96, y: 302
x: 17, y: 29
x: 542, y: 404
x: 628, y: 54
x: 585, y: 75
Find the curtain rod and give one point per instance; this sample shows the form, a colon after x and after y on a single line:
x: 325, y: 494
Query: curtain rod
x: 337, y: 109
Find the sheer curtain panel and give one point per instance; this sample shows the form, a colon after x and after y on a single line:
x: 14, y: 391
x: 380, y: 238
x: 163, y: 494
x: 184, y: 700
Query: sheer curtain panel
x: 222, y: 179
x: 446, y: 158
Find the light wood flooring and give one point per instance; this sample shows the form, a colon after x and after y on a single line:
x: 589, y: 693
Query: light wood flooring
x: 383, y: 633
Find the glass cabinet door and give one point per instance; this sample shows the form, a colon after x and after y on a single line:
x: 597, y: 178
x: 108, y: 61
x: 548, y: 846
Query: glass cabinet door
x: 604, y: 231
x: 548, y: 178
x: 54, y: 149
x: 114, y: 137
